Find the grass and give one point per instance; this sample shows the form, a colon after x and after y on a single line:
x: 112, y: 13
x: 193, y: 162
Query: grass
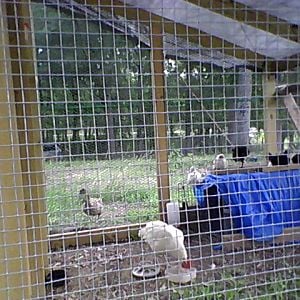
x: 230, y: 288
x: 130, y: 183
x: 124, y: 184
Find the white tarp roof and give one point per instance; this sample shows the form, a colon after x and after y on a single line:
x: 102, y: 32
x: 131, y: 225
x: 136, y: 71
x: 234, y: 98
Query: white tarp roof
x: 288, y: 10
x: 225, y: 28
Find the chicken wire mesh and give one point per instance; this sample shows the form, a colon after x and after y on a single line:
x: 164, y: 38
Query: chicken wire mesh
x: 126, y: 128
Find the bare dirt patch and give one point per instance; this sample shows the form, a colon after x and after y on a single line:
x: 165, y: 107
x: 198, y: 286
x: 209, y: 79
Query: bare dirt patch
x: 104, y: 272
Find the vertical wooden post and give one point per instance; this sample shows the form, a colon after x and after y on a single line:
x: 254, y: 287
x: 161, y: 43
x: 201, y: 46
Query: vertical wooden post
x: 270, y: 113
x: 26, y: 98
x: 15, y: 280
x: 293, y: 109
x: 160, y: 115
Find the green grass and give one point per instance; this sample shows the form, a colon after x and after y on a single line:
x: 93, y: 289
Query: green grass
x: 122, y: 181
x: 129, y: 181
x: 230, y: 288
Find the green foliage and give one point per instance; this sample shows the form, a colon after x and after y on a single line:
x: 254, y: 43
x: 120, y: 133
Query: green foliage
x: 74, y: 59
x: 143, y: 215
x: 130, y: 183
x: 61, y: 206
x: 175, y: 158
x: 86, y: 69
x: 231, y: 288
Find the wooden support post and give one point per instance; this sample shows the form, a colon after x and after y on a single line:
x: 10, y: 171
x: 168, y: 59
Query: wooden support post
x: 15, y: 280
x: 293, y: 109
x: 160, y: 115
x: 24, y: 80
x: 270, y: 113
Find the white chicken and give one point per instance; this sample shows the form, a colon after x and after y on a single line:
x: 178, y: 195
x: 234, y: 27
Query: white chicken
x: 196, y: 176
x: 220, y: 162
x: 166, y: 239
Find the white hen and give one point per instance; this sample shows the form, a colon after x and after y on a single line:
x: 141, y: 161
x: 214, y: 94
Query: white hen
x: 167, y: 239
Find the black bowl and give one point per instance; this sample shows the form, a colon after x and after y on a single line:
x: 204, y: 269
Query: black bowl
x: 56, y: 278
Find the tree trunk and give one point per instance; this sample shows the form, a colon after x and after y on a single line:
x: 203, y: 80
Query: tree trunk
x: 239, y: 110
x: 140, y: 142
x: 111, y: 151
x: 76, y: 144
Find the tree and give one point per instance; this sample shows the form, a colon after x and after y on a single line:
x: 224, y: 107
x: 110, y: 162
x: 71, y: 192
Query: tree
x: 239, y: 109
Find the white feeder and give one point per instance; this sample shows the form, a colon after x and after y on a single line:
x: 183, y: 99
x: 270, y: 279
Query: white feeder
x: 173, y: 213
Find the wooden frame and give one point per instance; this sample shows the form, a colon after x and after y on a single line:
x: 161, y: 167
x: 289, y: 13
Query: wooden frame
x: 15, y: 281
x: 203, y: 39
x: 160, y: 116
x: 270, y: 112
x: 94, y: 236
x: 232, y: 242
x: 293, y: 110
x: 258, y: 168
x: 126, y: 233
x: 19, y: 94
x: 25, y: 243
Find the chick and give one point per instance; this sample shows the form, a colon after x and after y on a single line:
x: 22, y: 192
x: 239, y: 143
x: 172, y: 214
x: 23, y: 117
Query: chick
x: 196, y: 176
x: 278, y: 159
x: 239, y: 153
x: 220, y: 162
x: 296, y: 158
x: 91, y: 206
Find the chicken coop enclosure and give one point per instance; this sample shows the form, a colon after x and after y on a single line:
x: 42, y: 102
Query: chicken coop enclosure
x: 141, y: 138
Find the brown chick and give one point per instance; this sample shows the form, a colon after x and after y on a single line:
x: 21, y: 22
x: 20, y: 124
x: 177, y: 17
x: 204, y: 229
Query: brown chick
x: 91, y: 206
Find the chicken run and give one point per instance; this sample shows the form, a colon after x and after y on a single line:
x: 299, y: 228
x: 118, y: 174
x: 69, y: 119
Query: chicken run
x: 120, y: 270
x: 150, y: 149
x: 109, y: 268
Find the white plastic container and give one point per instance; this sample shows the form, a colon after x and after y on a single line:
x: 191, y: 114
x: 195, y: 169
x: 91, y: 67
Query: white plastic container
x: 173, y: 213
x: 180, y: 275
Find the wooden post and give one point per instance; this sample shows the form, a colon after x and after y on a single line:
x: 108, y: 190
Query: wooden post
x: 270, y: 113
x: 160, y: 115
x: 293, y: 109
x: 26, y: 98
x: 15, y: 280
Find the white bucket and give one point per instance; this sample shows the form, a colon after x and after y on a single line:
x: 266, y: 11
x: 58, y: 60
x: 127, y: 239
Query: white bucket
x: 173, y: 213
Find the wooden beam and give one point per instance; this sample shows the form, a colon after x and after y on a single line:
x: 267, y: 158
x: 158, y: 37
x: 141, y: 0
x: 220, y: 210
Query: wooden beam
x: 255, y: 168
x: 123, y: 234
x: 76, y: 239
x: 232, y: 242
x: 280, y: 168
x: 26, y: 99
x: 194, y: 35
x: 160, y: 115
x: 270, y: 113
x: 293, y: 109
x: 237, y: 33
x: 15, y: 282
x: 204, y: 40
x: 285, y: 89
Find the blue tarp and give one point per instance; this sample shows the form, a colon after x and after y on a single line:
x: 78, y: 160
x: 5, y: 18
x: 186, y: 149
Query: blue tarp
x: 262, y: 204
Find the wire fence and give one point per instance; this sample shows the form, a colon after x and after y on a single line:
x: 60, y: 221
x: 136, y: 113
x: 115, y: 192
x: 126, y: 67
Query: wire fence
x: 207, y: 118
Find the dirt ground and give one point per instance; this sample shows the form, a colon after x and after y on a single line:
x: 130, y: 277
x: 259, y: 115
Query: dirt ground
x: 104, y: 272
